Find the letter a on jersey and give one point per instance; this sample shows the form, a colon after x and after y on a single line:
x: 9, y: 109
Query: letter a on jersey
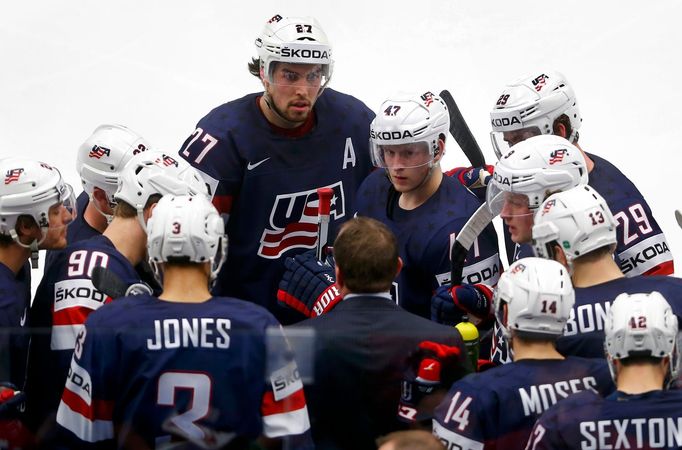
x: 349, y: 154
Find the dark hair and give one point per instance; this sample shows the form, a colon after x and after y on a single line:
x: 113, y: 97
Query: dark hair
x: 566, y: 122
x: 366, y: 253
x: 23, y: 220
x: 127, y: 211
x: 597, y: 253
x: 254, y: 67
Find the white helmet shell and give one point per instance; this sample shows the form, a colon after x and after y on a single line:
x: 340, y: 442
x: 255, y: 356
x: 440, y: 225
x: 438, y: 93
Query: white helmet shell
x: 186, y: 228
x: 155, y: 172
x: 104, y: 154
x: 536, y: 167
x: 535, y: 101
x: 641, y: 325
x: 578, y: 220
x: 30, y: 188
x: 409, y: 119
x: 295, y: 40
x: 538, y: 295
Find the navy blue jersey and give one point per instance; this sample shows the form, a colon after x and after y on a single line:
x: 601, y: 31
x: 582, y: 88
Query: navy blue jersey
x: 584, y: 332
x: 78, y: 230
x: 268, y: 182
x: 642, y: 248
x: 63, y: 300
x: 15, y: 298
x: 619, y: 421
x: 148, y: 369
x: 497, y: 408
x: 425, y: 235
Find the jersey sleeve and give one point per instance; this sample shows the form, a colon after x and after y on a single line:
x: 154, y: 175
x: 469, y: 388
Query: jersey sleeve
x: 460, y: 420
x: 87, y: 403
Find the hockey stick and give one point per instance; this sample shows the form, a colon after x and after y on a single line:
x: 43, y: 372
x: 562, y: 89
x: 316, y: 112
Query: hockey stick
x: 107, y: 282
x: 460, y: 131
x: 324, y: 196
x: 465, y: 239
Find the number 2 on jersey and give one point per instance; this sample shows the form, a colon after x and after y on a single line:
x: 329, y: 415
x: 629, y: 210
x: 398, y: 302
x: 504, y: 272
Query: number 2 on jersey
x: 207, y: 139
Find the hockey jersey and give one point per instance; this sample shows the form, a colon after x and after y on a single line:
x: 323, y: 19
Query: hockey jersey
x: 619, y: 421
x: 496, y: 409
x: 584, y: 332
x: 642, y: 248
x: 425, y: 236
x: 157, y: 371
x: 15, y: 298
x: 267, y: 182
x: 63, y: 300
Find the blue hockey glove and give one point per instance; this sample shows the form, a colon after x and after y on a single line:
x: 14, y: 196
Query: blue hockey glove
x: 474, y: 178
x: 450, y: 304
x: 308, y: 285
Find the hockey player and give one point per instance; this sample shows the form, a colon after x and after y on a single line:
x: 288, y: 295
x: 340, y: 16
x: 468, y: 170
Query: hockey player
x: 265, y: 155
x: 577, y: 229
x: 545, y: 103
x: 522, y: 179
x: 66, y: 295
x: 642, y: 352
x: 194, y: 364
x: 497, y: 408
x: 36, y: 206
x: 423, y: 208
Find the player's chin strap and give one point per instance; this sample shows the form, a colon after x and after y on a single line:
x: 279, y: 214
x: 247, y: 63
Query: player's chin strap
x: 33, y: 246
x: 109, y: 217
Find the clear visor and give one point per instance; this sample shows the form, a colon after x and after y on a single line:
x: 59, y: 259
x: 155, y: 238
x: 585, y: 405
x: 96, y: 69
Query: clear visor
x: 304, y: 75
x: 502, y: 141
x: 63, y: 213
x: 401, y: 156
x: 507, y: 203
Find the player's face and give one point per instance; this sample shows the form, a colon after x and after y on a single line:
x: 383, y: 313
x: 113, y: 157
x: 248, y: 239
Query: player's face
x: 516, y: 136
x: 408, y: 164
x: 294, y: 89
x: 518, y: 217
x: 58, y: 218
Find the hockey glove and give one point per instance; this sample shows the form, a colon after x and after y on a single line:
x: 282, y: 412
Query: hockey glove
x: 450, y: 304
x: 474, y: 178
x: 308, y: 285
x: 431, y: 369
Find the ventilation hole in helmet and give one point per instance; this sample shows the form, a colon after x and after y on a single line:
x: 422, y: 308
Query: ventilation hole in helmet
x: 305, y: 38
x: 33, y: 184
x: 138, y: 169
x: 112, y: 168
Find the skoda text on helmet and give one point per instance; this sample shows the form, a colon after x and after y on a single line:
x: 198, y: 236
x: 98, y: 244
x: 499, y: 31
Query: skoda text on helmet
x: 156, y: 173
x: 104, y: 154
x: 535, y: 296
x: 186, y: 228
x: 641, y: 325
x: 577, y: 220
x: 406, y: 130
x: 295, y: 40
x: 533, y: 103
x: 536, y: 168
x: 31, y: 188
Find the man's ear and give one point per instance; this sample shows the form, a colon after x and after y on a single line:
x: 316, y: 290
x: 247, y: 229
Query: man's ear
x: 441, y: 151
x: 27, y: 229
x: 339, y: 277
x: 148, y: 212
x: 560, y: 256
x: 400, y: 266
x: 560, y: 129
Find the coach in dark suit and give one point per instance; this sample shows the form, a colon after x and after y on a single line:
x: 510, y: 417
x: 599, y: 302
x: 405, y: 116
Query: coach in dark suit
x: 362, y: 344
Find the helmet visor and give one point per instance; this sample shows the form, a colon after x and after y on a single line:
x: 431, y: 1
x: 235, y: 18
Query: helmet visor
x: 64, y: 212
x: 506, y: 202
x: 502, y: 141
x: 401, y: 156
x: 310, y: 76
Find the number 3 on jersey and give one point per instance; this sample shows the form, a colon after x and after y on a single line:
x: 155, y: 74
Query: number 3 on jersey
x: 206, y: 139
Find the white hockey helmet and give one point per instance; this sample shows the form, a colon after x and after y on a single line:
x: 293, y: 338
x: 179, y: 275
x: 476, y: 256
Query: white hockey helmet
x: 641, y: 325
x: 186, y: 228
x: 408, y: 119
x: 31, y: 188
x: 536, y: 168
x: 534, y: 103
x: 157, y: 173
x: 295, y: 40
x: 104, y: 154
x: 578, y: 220
x: 535, y: 296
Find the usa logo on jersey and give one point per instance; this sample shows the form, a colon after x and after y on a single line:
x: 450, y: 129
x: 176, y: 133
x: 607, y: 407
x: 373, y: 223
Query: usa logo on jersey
x: 13, y: 175
x: 97, y: 152
x: 293, y: 221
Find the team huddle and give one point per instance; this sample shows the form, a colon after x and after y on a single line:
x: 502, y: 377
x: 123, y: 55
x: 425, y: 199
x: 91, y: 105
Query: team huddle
x: 188, y: 299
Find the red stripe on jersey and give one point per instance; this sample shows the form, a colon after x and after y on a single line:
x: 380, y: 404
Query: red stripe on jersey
x: 99, y: 410
x: 664, y: 268
x: 296, y: 241
x: 293, y: 402
x: 75, y: 315
x: 223, y: 203
x: 277, y: 236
